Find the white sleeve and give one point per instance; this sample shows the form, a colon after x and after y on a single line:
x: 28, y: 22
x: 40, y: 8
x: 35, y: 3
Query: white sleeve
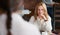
x: 48, y: 24
x: 32, y: 19
x: 21, y: 27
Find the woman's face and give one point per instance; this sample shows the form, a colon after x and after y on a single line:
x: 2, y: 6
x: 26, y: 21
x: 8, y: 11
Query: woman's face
x: 40, y: 10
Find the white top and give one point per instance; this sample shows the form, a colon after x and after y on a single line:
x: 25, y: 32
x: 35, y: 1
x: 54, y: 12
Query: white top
x: 41, y: 24
x: 18, y: 27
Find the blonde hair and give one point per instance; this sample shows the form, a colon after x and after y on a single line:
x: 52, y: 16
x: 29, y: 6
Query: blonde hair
x: 45, y: 10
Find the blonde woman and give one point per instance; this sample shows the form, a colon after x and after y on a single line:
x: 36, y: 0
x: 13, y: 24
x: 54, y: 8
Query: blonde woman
x: 41, y: 18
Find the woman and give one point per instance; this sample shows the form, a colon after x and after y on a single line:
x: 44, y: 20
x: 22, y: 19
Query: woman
x: 11, y: 23
x: 41, y: 18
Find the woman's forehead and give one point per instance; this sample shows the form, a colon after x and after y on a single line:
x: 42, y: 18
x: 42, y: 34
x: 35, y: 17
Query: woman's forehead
x: 40, y: 7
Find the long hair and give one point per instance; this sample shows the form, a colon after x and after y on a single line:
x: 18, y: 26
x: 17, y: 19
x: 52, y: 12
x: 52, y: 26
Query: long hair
x: 9, y: 6
x: 8, y: 21
x: 45, y: 10
x: 4, y: 5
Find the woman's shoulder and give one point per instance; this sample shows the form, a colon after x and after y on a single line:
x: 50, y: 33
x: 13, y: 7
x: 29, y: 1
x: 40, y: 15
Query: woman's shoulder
x: 16, y: 16
x: 32, y: 17
x: 49, y: 17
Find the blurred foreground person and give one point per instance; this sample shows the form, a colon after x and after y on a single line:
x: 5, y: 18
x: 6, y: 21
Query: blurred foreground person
x: 11, y: 23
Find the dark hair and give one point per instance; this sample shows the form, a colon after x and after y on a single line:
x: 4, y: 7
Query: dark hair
x: 5, y: 6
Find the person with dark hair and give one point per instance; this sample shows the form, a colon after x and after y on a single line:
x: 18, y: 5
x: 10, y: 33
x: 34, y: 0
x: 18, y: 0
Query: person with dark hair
x: 11, y: 23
